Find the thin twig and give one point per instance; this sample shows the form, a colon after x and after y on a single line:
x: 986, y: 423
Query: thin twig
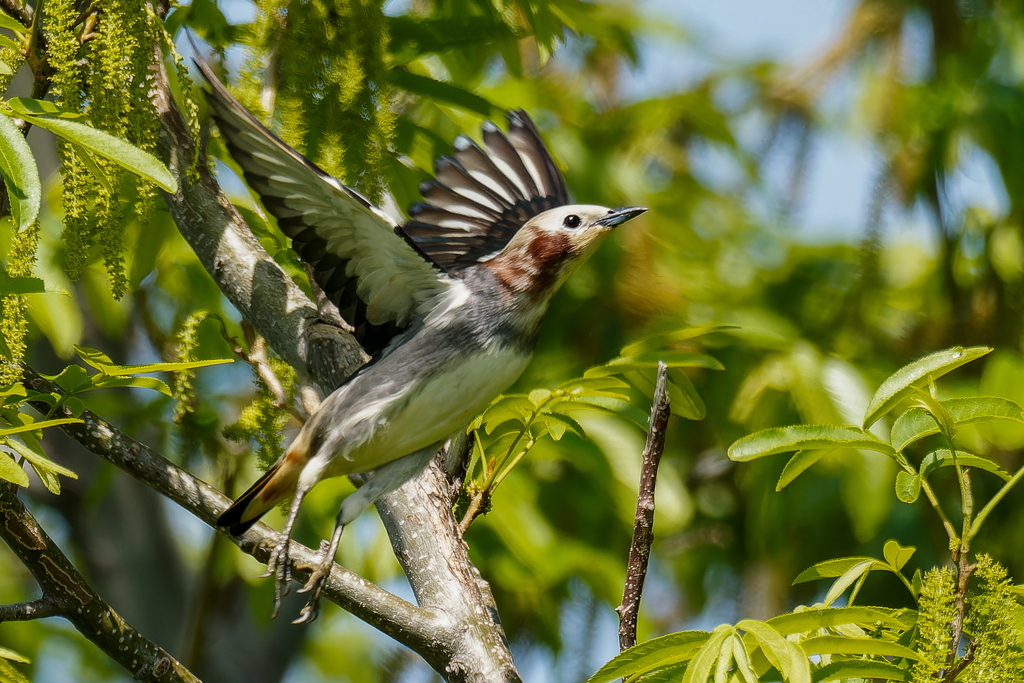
x: 643, y: 524
x: 71, y: 597
x: 27, y: 611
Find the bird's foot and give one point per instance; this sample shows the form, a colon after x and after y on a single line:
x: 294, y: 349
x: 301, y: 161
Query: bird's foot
x: 315, y: 585
x: 280, y: 568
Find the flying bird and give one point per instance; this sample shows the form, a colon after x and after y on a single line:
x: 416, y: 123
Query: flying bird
x: 448, y: 304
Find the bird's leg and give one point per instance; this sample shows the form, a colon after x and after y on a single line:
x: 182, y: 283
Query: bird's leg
x: 279, y: 565
x: 318, y: 578
x: 384, y: 479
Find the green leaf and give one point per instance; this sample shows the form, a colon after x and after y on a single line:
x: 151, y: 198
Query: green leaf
x: 908, y: 486
x: 660, y: 341
x: 26, y: 106
x: 11, y: 654
x: 684, y: 400
x: 650, y: 359
x: 798, y: 464
x: 918, y: 374
x: 111, y: 382
x: 843, y: 645
x: 792, y: 664
x: 21, y: 175
x: 916, y: 423
x: 830, y: 617
x: 5, y: 68
x: 101, y: 176
x: 652, y: 654
x: 72, y: 379
x: 13, y: 24
x: 943, y: 458
x: 102, y: 362
x: 829, y: 569
x: 860, y: 669
x: 742, y: 659
x: 8, y: 43
x: 12, y: 471
x: 897, y: 555
x: 441, y: 91
x: 707, y: 657
x: 801, y: 437
x: 124, y: 154
x: 21, y: 285
x: 848, y: 578
x: 568, y: 423
x: 9, y: 674
x: 33, y: 426
x: 538, y: 396
x: 47, y: 470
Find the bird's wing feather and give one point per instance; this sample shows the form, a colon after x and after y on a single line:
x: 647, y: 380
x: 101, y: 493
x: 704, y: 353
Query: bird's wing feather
x: 367, y: 266
x: 479, y: 199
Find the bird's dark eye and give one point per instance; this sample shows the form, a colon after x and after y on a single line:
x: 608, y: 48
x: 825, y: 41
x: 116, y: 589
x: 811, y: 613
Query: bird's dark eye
x: 571, y: 221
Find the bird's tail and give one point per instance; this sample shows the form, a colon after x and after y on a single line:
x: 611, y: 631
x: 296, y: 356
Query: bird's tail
x: 276, y: 485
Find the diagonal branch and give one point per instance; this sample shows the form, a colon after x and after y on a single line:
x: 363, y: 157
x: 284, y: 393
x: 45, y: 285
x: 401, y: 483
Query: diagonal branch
x: 66, y: 593
x: 402, y: 621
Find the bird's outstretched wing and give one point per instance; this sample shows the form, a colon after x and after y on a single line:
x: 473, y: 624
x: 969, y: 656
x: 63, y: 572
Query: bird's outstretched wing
x: 479, y: 200
x: 363, y: 262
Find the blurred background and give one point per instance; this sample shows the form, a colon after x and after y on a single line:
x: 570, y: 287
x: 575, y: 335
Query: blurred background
x: 843, y: 181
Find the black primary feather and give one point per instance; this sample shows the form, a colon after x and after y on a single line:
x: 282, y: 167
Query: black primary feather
x: 479, y: 200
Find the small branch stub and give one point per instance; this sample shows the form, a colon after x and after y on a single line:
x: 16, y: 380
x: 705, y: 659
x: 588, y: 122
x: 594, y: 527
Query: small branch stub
x: 643, y: 524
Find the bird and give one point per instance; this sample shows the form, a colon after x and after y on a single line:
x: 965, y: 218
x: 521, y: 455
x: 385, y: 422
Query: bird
x: 448, y: 303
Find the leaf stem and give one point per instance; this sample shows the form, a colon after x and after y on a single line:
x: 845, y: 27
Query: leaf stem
x: 994, y: 500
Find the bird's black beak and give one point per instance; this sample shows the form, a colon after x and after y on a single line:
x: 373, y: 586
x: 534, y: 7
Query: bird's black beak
x: 620, y: 216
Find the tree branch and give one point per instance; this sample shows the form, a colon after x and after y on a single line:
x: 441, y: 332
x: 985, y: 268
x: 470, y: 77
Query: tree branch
x: 643, y: 524
x: 27, y: 611
x: 402, y: 621
x: 66, y: 593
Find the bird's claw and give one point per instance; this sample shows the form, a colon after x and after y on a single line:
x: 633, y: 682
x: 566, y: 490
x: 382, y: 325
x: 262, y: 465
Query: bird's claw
x: 315, y: 585
x: 279, y: 566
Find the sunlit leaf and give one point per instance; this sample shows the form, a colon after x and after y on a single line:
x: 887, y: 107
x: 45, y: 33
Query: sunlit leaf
x: 27, y: 106
x: 666, y: 339
x: 848, y: 578
x: 11, y: 471
x: 858, y: 669
x: 798, y: 464
x: 829, y: 569
x: 13, y: 24
x: 33, y: 426
x: 683, y: 397
x: 908, y: 486
x: 841, y: 645
x: 803, y: 437
x: 943, y: 458
x: 897, y: 555
x: 777, y: 650
x: 21, y: 285
x: 47, y: 470
x: 707, y: 657
x: 902, y: 383
x: 124, y: 154
x: 111, y: 382
x: 830, y: 617
x: 916, y: 423
x: 652, y: 654
x: 18, y: 166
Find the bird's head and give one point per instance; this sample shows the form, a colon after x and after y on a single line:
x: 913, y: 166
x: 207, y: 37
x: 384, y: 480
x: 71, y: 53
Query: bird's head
x: 552, y: 245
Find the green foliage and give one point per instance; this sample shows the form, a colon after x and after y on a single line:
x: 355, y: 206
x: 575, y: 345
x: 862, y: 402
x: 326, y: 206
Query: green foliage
x: 994, y: 624
x: 264, y: 418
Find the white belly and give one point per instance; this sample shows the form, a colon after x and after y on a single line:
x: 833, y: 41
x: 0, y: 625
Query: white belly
x: 437, y: 407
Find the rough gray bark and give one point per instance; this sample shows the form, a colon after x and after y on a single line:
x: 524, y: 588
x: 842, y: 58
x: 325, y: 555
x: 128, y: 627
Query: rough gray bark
x: 66, y: 593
